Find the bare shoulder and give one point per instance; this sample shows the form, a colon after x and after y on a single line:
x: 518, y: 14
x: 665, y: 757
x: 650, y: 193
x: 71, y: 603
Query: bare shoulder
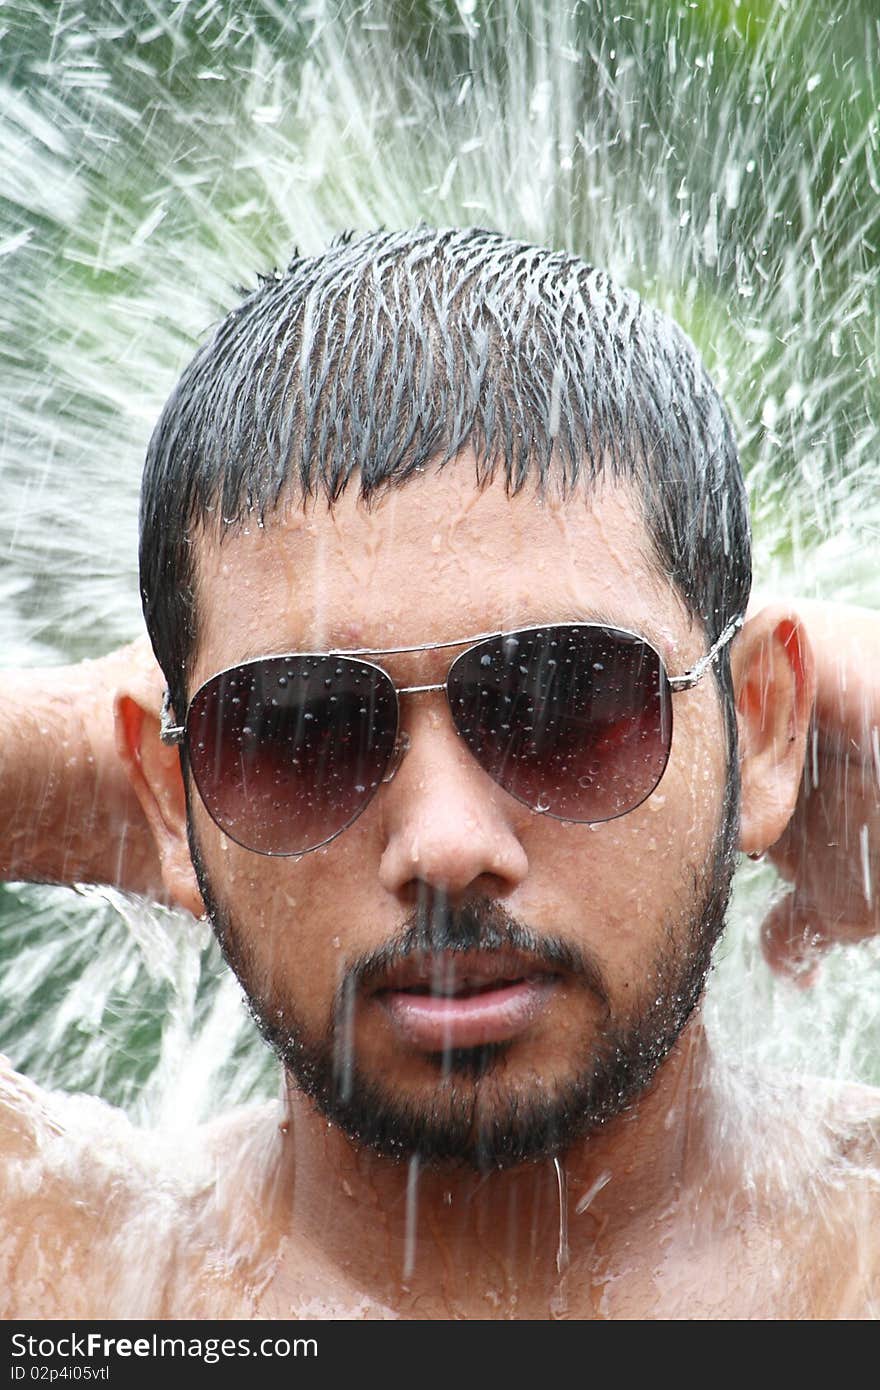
x: 841, y: 1213
x: 803, y: 1159
x: 23, y: 1116
x: 68, y: 1187
x: 853, y: 1120
x: 94, y: 1209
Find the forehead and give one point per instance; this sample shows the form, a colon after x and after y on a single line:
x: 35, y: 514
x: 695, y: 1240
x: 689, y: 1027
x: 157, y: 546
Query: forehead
x: 437, y: 559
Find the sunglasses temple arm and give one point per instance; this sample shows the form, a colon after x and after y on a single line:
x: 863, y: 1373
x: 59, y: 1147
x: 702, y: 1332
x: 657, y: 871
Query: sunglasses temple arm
x: 169, y: 733
x: 696, y: 673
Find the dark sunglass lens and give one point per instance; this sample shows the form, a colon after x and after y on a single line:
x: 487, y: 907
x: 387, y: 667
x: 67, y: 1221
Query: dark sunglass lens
x: 287, y: 751
x: 573, y: 721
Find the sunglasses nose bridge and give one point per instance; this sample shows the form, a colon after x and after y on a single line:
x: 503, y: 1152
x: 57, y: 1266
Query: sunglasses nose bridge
x: 403, y: 742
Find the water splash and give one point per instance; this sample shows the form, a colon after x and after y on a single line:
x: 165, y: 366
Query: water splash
x: 150, y: 163
x: 411, y: 1219
x: 592, y: 1191
x: 562, y: 1251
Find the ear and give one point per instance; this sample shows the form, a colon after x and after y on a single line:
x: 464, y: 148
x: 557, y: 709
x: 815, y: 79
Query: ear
x: 774, y: 683
x: 153, y: 769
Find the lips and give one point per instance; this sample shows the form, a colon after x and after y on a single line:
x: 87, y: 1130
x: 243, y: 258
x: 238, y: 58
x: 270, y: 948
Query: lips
x: 459, y: 1000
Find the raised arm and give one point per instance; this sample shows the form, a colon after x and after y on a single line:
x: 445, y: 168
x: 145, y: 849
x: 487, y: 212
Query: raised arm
x: 67, y: 811
x: 830, y: 851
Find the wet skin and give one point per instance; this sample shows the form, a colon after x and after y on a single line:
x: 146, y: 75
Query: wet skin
x: 300, y: 1215
x: 442, y: 825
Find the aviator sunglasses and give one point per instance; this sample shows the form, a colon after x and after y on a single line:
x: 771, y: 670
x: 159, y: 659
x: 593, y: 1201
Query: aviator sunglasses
x: 574, y: 720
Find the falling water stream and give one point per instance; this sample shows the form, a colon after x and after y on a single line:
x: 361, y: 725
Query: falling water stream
x: 721, y: 158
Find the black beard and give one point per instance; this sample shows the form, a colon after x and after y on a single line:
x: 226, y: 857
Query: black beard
x: 474, y: 1119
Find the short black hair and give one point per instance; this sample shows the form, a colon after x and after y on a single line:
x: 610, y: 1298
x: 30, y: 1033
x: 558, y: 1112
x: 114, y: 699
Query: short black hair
x: 393, y: 351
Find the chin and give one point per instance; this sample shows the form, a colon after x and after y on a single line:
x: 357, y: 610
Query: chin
x: 489, y: 1104
x: 479, y: 1109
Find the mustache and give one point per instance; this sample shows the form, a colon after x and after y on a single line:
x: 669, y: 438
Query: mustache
x: 478, y: 926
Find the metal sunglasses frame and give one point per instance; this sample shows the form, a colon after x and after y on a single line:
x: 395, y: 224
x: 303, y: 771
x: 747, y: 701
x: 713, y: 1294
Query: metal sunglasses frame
x: 176, y: 733
x: 171, y: 734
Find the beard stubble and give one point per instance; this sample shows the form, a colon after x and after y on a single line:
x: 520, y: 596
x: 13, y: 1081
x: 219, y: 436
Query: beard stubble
x: 476, y: 1117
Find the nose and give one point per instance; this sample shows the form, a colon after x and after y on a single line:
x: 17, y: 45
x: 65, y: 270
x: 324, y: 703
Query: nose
x: 446, y: 823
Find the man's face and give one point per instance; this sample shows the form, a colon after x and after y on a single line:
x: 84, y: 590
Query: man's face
x: 447, y: 891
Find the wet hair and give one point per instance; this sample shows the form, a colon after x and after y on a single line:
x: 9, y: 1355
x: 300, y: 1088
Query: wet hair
x: 389, y: 354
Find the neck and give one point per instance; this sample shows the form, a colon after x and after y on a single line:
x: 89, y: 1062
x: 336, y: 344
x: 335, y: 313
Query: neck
x: 447, y: 1243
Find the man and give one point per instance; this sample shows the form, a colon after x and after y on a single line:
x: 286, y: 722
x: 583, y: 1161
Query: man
x: 445, y: 559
